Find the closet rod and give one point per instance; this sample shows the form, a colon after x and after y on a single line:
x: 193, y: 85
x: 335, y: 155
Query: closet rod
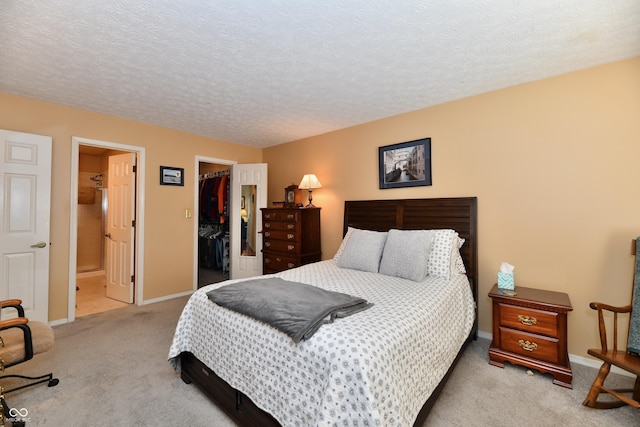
x: 214, y: 174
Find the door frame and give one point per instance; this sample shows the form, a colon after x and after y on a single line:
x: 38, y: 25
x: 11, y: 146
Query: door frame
x: 73, y: 217
x: 196, y: 207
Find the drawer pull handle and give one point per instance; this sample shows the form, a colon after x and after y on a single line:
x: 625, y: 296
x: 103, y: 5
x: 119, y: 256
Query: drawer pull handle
x: 527, y: 345
x: 267, y: 260
x: 291, y: 265
x: 526, y: 320
x: 291, y: 247
x: 267, y: 244
x: 267, y: 225
x: 267, y: 234
x: 268, y: 216
x: 290, y: 216
x: 291, y: 236
x: 290, y: 226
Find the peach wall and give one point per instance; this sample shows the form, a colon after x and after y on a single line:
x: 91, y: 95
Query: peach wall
x: 90, y: 215
x: 554, y: 166
x: 552, y: 163
x: 169, y: 236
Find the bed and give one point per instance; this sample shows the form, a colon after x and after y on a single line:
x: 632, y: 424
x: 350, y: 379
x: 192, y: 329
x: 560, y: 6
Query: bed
x: 381, y: 366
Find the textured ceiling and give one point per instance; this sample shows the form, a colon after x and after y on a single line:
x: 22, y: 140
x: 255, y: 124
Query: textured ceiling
x: 265, y: 72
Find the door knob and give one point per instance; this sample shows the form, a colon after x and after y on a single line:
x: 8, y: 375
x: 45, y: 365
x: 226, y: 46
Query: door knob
x: 40, y: 244
x: 108, y: 235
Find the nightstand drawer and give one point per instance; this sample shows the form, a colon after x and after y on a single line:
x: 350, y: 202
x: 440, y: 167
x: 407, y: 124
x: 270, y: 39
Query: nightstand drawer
x: 274, y: 262
x: 530, y: 345
x: 529, y: 319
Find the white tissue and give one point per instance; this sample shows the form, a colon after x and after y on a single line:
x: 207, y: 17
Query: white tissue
x: 505, y: 267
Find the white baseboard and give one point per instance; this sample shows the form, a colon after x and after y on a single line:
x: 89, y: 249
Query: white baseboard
x: 166, y: 298
x: 150, y: 301
x: 59, y: 322
x: 91, y: 273
x: 485, y: 335
x: 592, y: 363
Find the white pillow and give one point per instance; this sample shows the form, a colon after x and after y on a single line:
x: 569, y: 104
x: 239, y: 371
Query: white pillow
x: 406, y: 253
x: 336, y: 257
x: 458, y: 265
x: 363, y: 250
x: 442, y: 255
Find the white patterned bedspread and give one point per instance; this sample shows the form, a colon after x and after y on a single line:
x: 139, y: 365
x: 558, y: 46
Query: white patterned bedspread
x: 374, y: 368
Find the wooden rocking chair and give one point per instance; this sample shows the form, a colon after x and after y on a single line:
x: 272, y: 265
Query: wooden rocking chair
x: 627, y: 359
x: 620, y: 358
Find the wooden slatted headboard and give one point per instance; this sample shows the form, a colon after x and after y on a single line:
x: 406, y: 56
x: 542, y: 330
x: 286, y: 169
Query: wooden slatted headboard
x: 459, y: 214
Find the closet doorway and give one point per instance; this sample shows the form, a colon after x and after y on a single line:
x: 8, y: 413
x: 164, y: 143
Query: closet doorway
x: 227, y: 219
x: 213, y: 220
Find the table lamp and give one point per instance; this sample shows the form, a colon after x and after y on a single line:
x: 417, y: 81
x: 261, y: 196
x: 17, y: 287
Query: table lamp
x: 309, y: 182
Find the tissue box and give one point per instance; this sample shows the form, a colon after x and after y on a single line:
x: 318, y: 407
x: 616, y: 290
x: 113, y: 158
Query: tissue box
x: 505, y: 281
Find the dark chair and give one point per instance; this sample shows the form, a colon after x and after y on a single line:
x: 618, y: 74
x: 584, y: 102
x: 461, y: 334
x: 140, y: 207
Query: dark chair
x: 621, y: 358
x: 20, y: 340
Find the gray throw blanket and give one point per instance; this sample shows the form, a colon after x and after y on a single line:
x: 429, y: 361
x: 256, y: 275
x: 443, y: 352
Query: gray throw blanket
x: 633, y: 343
x: 294, y: 308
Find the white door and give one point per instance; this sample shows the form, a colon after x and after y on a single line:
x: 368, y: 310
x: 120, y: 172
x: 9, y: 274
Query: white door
x: 25, y: 196
x: 120, y: 230
x: 249, y: 180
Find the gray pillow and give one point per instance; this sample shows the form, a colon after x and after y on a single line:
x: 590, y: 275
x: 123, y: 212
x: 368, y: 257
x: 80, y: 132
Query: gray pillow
x: 363, y: 250
x: 406, y: 254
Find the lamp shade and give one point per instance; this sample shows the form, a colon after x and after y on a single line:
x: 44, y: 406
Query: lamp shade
x: 309, y: 182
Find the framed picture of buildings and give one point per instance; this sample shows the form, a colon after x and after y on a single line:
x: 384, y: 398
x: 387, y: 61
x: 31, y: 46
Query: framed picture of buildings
x: 407, y: 164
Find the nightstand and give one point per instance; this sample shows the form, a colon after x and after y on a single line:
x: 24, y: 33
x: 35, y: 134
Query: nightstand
x: 530, y: 329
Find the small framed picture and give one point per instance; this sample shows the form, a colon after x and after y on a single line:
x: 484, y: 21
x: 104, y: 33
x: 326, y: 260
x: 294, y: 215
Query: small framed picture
x: 171, y: 176
x: 407, y: 164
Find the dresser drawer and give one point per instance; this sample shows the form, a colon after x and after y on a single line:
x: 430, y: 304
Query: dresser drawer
x: 281, y: 246
x: 530, y: 345
x: 273, y: 262
x: 280, y: 226
x: 280, y: 235
x: 288, y: 215
x: 529, y: 319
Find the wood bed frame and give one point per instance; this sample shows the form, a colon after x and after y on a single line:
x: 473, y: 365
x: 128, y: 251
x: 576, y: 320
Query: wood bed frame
x: 459, y: 214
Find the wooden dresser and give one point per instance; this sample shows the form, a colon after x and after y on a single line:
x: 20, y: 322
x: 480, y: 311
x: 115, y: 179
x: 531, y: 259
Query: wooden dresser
x: 291, y: 238
x: 530, y: 329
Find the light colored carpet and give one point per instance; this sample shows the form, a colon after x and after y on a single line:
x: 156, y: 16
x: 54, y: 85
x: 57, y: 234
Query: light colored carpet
x: 113, y: 372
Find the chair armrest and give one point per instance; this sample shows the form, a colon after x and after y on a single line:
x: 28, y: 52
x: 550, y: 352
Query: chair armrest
x: 601, y: 306
x: 13, y: 303
x: 12, y: 323
x: 22, y: 324
x: 10, y: 302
